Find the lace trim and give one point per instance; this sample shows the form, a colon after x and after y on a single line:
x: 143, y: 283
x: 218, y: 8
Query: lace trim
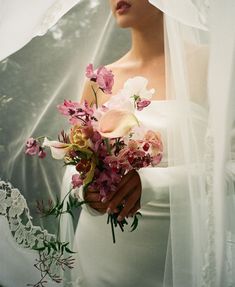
x: 14, y: 207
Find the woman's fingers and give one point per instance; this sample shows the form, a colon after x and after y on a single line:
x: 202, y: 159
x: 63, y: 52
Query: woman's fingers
x: 129, y: 192
x: 133, y: 211
x: 130, y: 205
x: 124, y: 180
x: 93, y: 199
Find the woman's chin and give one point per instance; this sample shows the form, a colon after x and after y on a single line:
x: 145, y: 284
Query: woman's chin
x: 124, y: 22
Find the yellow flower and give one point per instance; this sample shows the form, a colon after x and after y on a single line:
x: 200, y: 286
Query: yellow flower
x: 79, y: 138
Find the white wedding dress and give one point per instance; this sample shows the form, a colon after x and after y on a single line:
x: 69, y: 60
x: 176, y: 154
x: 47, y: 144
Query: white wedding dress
x: 137, y: 258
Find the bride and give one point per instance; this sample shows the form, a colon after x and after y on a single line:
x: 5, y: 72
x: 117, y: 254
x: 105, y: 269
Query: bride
x: 185, y: 237
x: 138, y: 258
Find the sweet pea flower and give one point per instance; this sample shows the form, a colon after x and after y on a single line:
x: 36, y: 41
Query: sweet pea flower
x: 90, y: 73
x: 58, y: 149
x: 105, y: 80
x: 42, y: 154
x: 116, y: 123
x: 32, y: 146
x: 137, y: 87
x: 142, y: 103
x: 76, y: 181
x: 102, y: 76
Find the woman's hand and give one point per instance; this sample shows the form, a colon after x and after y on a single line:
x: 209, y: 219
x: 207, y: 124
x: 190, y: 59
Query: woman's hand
x: 128, y: 195
x: 93, y: 198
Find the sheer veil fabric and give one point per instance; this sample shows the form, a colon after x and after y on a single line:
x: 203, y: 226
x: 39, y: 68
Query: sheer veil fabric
x: 199, y: 47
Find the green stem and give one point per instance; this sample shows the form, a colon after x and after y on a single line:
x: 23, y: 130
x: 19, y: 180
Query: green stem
x: 107, y: 143
x: 95, y: 95
x: 112, y: 228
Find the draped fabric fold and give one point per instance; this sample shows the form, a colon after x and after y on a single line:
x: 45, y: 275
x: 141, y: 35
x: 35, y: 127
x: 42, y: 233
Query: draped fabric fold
x: 199, y: 48
x: 20, y: 21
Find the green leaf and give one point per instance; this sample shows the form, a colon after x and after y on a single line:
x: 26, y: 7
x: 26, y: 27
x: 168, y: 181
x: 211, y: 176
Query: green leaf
x: 69, y: 251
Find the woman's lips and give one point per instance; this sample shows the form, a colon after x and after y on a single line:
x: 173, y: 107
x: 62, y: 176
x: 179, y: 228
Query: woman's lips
x: 122, y: 7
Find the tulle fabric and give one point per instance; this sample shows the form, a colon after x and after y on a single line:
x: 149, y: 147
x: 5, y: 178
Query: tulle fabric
x: 199, y: 45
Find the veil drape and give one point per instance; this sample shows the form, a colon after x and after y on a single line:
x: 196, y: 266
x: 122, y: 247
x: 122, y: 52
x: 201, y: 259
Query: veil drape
x: 199, y: 47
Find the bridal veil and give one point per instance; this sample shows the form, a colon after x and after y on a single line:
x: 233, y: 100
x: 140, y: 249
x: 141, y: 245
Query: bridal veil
x: 199, y: 47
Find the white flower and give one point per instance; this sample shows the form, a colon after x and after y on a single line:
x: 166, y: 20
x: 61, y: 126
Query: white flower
x: 137, y: 86
x: 124, y: 100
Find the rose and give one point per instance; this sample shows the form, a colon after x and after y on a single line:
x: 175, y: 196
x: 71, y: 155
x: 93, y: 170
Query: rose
x: 116, y: 123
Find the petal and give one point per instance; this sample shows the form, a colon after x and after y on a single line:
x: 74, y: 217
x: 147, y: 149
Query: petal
x: 117, y: 123
x: 58, y: 149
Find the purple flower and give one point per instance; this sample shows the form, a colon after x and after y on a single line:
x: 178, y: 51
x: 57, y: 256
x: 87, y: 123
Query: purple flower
x: 32, y: 146
x: 142, y: 103
x: 76, y: 181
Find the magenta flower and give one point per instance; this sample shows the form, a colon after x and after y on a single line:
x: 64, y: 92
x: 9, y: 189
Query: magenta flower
x: 76, y: 181
x: 142, y: 103
x: 32, y: 146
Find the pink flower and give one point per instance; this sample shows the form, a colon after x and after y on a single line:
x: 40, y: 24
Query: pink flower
x: 68, y: 108
x: 42, y: 153
x: 32, y: 146
x: 154, y: 139
x: 90, y: 74
x: 142, y: 103
x: 102, y: 76
x: 105, y: 80
x: 116, y: 123
x: 156, y: 159
x: 76, y: 181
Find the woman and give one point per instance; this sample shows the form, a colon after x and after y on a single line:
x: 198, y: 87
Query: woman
x: 137, y: 258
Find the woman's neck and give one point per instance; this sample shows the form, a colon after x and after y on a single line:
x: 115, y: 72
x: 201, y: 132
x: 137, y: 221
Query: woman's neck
x: 147, y: 42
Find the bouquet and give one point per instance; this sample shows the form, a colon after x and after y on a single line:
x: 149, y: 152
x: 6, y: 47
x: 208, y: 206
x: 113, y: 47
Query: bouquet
x: 105, y: 142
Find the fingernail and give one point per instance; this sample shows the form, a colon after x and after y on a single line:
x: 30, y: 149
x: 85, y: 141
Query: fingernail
x: 119, y: 218
x: 109, y: 211
x: 104, y: 200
